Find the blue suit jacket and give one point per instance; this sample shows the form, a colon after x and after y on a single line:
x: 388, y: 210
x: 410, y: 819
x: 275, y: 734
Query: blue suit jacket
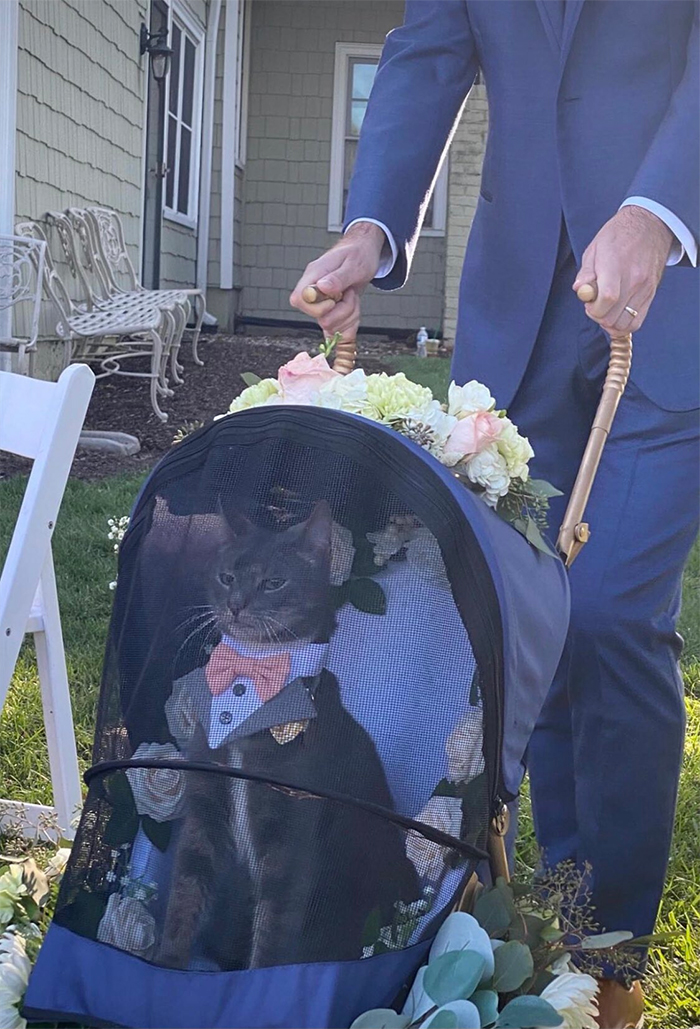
x: 578, y: 123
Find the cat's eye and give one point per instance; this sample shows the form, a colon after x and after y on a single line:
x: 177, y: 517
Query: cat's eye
x: 272, y: 585
x: 227, y: 578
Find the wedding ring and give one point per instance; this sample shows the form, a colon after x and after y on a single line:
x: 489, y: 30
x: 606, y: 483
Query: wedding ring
x: 631, y: 310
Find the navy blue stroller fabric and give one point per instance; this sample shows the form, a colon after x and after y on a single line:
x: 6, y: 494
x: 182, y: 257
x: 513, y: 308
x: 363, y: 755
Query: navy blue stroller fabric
x: 325, y: 660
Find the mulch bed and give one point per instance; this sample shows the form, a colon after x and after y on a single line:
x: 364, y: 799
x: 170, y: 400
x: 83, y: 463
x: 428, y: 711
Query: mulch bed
x: 122, y: 404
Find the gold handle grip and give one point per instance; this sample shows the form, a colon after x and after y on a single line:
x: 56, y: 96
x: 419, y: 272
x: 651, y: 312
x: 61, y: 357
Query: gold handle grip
x: 575, y: 532
x: 346, y: 350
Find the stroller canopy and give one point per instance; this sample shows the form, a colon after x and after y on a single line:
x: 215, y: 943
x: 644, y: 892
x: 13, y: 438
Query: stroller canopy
x: 325, y: 660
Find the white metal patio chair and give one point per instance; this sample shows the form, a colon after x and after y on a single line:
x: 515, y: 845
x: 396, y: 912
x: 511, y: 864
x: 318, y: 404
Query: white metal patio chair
x: 136, y: 329
x: 21, y: 271
x: 80, y: 242
x: 41, y: 421
x: 110, y: 234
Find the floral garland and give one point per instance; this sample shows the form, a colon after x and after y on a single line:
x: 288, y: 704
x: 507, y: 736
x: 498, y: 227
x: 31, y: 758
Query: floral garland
x: 509, y: 964
x: 479, y: 443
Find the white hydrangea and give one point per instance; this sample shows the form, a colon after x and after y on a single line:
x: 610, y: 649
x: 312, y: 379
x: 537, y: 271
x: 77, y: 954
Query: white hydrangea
x: 12, y: 889
x: 256, y: 395
x: 14, y: 976
x: 345, y: 393
x: 515, y: 449
x: 468, y: 399
x: 439, y: 423
x: 390, y: 397
x: 490, y: 471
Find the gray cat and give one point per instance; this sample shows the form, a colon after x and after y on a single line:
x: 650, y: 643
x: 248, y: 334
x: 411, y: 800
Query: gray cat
x: 265, y: 876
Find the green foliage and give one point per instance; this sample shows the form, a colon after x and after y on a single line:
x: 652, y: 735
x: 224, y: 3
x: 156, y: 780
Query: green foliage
x: 486, y: 1003
x: 453, y: 976
x: 514, y: 964
x: 526, y: 1011
x: 250, y: 378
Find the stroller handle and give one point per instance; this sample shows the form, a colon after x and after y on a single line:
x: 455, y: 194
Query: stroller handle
x: 574, y: 532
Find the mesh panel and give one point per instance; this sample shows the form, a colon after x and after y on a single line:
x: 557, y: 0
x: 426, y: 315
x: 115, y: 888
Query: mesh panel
x: 289, y: 763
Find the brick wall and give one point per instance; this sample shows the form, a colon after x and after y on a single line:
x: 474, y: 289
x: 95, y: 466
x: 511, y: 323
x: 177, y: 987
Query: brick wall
x: 466, y: 158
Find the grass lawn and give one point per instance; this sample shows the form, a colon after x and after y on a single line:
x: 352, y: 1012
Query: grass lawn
x: 85, y: 564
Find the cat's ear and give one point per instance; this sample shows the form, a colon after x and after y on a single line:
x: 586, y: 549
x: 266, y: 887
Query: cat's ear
x: 317, y: 529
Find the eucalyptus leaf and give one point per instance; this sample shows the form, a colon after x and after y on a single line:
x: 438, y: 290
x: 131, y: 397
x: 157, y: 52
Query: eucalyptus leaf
x: 486, y: 1001
x: 380, y: 1018
x: 460, y: 932
x: 35, y: 880
x: 524, y: 1012
x: 459, y: 1014
x: 121, y: 828
x: 542, y: 488
x: 453, y: 976
x: 514, y: 965
x: 605, y: 940
x: 250, y: 378
x: 493, y: 912
x: 370, y: 932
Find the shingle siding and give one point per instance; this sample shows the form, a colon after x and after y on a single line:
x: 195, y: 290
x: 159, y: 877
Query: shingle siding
x: 288, y: 167
x: 80, y: 108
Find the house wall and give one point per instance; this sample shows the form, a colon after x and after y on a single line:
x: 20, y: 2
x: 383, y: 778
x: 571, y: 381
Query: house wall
x: 80, y: 108
x: 287, y: 171
x: 466, y: 159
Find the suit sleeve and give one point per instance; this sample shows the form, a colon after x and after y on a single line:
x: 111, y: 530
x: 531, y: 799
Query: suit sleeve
x: 670, y: 171
x: 426, y: 71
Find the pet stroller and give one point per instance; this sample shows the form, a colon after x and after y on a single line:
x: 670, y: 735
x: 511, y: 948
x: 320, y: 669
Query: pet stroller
x: 324, y: 663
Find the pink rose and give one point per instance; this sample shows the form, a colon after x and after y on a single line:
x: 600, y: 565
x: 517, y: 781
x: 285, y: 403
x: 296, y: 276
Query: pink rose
x: 302, y: 377
x: 471, y: 435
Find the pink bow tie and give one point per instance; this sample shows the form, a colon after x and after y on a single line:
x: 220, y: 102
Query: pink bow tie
x: 268, y: 674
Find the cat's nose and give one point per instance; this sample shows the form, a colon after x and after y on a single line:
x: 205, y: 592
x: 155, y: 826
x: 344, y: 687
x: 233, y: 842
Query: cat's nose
x: 234, y: 608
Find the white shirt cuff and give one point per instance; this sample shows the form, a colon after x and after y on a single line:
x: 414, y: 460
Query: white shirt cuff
x: 684, y: 242
x: 389, y: 251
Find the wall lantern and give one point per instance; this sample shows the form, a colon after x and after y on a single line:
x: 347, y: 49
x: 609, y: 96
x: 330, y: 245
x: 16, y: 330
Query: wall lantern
x: 155, y: 44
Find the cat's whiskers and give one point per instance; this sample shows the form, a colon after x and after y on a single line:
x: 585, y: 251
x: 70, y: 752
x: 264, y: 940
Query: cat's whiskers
x: 283, y: 626
x: 211, y: 624
x: 191, y: 618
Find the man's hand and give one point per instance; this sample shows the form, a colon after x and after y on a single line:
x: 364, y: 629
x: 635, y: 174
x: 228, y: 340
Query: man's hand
x: 342, y: 273
x: 626, y: 260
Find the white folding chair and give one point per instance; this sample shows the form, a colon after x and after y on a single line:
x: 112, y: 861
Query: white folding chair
x: 41, y: 421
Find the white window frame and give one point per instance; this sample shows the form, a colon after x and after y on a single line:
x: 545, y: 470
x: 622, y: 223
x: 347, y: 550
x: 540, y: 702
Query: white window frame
x: 180, y: 14
x: 243, y: 80
x: 344, y: 53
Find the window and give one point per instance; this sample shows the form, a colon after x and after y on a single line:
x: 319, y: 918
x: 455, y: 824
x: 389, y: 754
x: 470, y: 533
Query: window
x: 355, y: 68
x: 182, y: 120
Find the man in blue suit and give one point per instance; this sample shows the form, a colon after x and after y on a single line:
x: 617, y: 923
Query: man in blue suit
x: 590, y: 175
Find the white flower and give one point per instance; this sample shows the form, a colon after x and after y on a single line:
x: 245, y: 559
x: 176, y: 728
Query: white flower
x: 424, y: 556
x: 573, y: 996
x: 117, y: 528
x: 464, y: 748
x: 392, y: 538
x: 57, y: 865
x: 255, y: 395
x: 111, y: 876
x: 14, y: 975
x: 126, y: 924
x: 345, y: 392
x: 445, y: 814
x: 12, y: 889
x: 440, y: 424
x: 391, y: 397
x: 515, y: 449
x: 468, y: 399
x: 489, y: 470
x: 183, y: 711
x: 342, y: 554
x: 158, y: 792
